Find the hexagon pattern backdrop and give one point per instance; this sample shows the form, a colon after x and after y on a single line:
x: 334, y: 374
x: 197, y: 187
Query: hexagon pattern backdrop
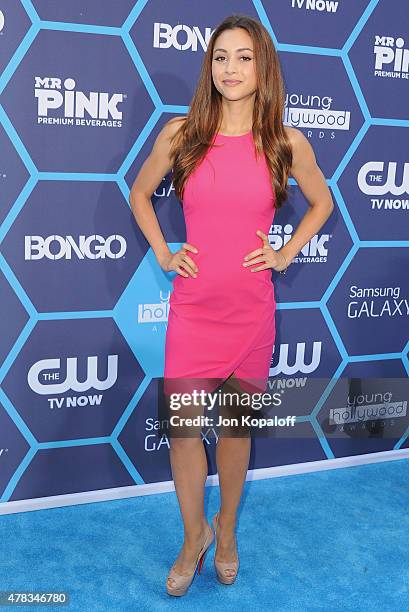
x: 85, y: 88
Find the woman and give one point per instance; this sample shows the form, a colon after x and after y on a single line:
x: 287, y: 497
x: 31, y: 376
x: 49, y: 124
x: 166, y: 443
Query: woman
x: 221, y: 318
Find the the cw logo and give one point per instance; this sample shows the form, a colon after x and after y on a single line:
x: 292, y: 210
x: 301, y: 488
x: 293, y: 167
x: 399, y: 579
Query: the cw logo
x: 71, y: 379
x: 299, y: 365
x: 373, y: 170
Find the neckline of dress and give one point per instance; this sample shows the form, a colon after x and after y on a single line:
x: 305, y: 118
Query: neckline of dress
x: 234, y: 135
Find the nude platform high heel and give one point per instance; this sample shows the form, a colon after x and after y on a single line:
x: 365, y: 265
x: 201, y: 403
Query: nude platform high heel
x: 180, y: 584
x: 221, y: 567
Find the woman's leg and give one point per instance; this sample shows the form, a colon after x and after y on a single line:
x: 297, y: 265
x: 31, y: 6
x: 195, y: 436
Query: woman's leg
x: 232, y: 458
x: 189, y: 472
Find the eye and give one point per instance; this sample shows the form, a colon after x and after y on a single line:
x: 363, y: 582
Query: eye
x: 247, y: 57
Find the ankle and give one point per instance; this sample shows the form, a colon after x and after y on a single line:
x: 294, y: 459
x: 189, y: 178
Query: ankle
x: 196, y: 533
x: 227, y: 522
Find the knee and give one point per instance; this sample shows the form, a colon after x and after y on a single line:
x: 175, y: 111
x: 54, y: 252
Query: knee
x: 185, y: 445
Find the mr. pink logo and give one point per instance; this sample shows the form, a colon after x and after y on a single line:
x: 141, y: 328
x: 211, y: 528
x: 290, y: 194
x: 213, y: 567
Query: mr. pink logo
x: 53, y: 94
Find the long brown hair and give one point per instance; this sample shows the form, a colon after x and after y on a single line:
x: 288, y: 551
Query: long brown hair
x: 190, y: 143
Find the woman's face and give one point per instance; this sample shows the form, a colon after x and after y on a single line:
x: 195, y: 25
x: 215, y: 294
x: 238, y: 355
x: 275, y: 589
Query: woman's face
x: 233, y: 60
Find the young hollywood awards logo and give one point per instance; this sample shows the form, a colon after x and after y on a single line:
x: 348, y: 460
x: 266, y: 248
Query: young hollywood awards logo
x: 180, y: 37
x: 391, y: 58
x: 314, y: 112
x: 368, y: 407
x: 378, y: 178
x: 60, y: 103
x: 155, y: 313
x: 327, y: 6
x: 1, y: 21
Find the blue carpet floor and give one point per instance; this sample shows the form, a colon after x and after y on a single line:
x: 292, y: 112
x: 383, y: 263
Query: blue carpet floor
x: 333, y: 540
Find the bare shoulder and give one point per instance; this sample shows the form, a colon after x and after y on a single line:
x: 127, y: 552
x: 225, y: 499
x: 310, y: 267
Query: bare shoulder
x: 303, y: 153
x: 172, y: 126
x: 299, y: 143
x: 162, y: 145
x: 162, y: 142
x: 159, y: 162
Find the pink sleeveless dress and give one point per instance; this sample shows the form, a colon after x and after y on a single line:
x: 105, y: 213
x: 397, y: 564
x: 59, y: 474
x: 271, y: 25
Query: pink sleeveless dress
x: 223, y: 321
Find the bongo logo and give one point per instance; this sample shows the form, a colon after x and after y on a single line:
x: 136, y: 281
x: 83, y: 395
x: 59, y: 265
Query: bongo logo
x: 65, y: 247
x: 1, y: 20
x: 155, y: 313
x: 3, y: 451
x: 391, y: 58
x: 378, y: 178
x: 313, y: 111
x: 44, y: 376
x: 290, y: 366
x: 54, y: 94
x: 180, y: 37
x: 328, y: 6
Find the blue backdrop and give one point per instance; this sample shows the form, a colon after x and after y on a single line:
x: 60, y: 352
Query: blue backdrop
x: 85, y: 87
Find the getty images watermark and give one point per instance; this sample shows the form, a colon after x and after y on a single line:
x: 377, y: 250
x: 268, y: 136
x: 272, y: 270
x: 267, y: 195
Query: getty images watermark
x: 208, y: 401
x: 344, y: 408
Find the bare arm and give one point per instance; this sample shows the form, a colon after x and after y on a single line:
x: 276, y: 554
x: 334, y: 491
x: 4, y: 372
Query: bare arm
x: 312, y: 183
x: 155, y: 167
x: 150, y: 175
